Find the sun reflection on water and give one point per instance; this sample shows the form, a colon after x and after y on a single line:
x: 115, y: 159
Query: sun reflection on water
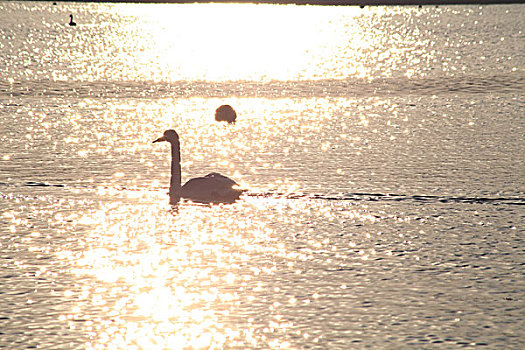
x: 197, y: 276
x: 229, y: 42
x: 307, y: 253
x: 237, y: 41
x: 169, y: 278
x: 272, y: 147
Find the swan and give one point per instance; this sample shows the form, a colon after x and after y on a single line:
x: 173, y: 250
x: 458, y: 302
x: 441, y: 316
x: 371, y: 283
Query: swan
x: 71, y: 22
x: 212, y: 188
x: 225, y: 113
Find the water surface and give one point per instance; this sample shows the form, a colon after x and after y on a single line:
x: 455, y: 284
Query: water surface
x: 382, y: 149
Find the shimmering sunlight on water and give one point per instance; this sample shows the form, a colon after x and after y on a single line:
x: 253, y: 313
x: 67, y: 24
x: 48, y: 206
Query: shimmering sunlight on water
x: 382, y: 150
x: 217, y: 42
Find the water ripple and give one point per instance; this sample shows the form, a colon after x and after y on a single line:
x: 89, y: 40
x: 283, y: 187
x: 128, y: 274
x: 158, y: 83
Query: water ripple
x: 466, y: 85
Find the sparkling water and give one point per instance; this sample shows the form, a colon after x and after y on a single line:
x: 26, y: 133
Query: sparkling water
x: 382, y: 150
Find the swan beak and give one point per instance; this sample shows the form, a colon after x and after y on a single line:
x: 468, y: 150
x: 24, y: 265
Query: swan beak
x: 163, y: 138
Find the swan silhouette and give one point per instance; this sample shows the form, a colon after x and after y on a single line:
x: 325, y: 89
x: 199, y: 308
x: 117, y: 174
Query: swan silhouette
x: 212, y: 188
x: 71, y: 22
x: 225, y: 113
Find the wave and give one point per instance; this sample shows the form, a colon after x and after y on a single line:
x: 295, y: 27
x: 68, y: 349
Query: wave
x: 378, y: 197
x: 354, y: 196
x: 504, y: 83
x: 42, y: 184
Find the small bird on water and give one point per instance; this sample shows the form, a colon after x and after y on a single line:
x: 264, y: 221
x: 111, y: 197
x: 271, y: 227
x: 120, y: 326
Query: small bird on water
x: 71, y: 22
x: 225, y: 113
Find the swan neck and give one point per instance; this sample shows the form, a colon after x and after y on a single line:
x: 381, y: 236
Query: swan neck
x: 175, y: 169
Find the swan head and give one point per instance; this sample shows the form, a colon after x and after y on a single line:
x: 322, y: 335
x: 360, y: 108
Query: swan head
x: 170, y: 136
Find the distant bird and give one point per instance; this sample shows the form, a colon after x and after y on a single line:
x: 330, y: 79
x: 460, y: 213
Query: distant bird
x: 71, y: 22
x: 225, y: 113
x: 212, y: 188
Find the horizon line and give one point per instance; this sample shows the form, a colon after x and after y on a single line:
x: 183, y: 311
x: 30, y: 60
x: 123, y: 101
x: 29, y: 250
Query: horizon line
x: 360, y: 3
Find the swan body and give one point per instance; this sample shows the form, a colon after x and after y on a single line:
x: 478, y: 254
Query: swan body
x: 71, y: 22
x: 212, y: 188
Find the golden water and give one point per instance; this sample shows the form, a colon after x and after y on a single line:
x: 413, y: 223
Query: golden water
x: 382, y: 150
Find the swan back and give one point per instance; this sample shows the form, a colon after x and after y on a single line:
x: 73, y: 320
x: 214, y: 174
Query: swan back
x: 212, y: 188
